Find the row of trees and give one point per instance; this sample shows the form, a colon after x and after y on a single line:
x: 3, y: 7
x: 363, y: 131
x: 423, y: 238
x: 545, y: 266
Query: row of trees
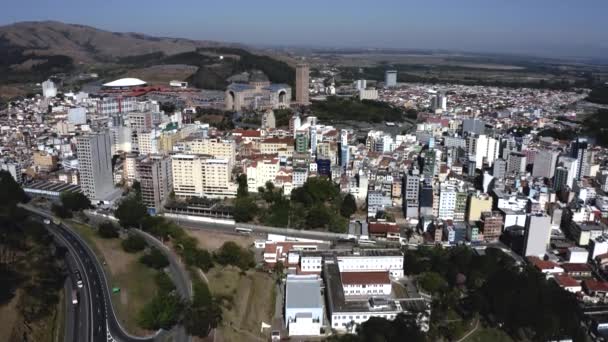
x: 201, y: 314
x: 519, y: 299
x: 318, y: 204
x: 31, y: 264
x: 70, y: 202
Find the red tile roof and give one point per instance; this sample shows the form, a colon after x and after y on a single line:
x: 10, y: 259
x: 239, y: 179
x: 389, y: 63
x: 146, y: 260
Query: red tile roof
x: 542, y: 264
x: 383, y: 227
x: 357, y: 278
x: 247, y: 133
x: 575, y: 267
x: 566, y: 281
x: 595, y: 286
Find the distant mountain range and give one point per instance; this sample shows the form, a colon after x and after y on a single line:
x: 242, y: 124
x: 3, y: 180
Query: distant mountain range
x: 88, y: 44
x: 34, y: 51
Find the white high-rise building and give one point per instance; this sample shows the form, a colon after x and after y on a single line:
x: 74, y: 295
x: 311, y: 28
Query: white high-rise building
x: 95, y: 162
x: 49, y: 89
x: 200, y: 175
x: 483, y: 148
x: 447, y: 201
x: 545, y: 163
x: 390, y: 78
x: 538, y: 234
x: 313, y: 139
x: 360, y: 84
x: 571, y: 165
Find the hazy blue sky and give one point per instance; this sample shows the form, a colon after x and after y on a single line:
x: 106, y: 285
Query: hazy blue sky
x: 564, y: 27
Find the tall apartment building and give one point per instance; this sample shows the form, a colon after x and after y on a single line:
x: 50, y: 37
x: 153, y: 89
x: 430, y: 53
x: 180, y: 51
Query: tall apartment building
x: 483, y: 148
x: 216, y: 147
x: 141, y: 121
x: 560, y: 179
x: 390, y: 78
x: 301, y: 142
x: 95, y: 163
x: 460, y: 206
x: 447, y: 201
x: 116, y: 105
x: 499, y: 169
x: 516, y: 164
x: 202, y: 175
x: 579, y: 149
x: 478, y: 203
x: 473, y: 126
x: 428, y: 168
x: 156, y: 179
x: 570, y: 165
x: 261, y: 171
x: 411, y: 191
x: 302, y: 80
x: 491, y: 225
x: 545, y: 163
x: 537, y: 234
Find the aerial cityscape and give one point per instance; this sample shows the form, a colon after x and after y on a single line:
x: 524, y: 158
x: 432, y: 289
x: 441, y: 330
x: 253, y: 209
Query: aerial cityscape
x: 255, y: 173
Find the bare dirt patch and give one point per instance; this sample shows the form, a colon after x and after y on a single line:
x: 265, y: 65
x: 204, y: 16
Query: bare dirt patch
x: 212, y: 240
x: 249, y: 300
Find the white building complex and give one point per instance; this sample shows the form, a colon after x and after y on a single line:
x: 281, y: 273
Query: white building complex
x: 202, y: 176
x: 304, y: 308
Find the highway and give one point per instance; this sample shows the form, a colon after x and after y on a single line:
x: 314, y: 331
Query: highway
x: 95, y: 307
x: 76, y: 317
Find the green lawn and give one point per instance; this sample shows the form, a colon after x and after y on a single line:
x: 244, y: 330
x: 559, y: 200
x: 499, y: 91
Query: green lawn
x: 488, y: 334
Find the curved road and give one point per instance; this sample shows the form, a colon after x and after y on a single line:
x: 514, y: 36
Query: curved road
x: 104, y: 325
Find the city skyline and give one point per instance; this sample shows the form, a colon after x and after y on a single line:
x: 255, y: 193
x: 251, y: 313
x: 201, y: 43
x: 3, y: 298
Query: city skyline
x: 541, y: 28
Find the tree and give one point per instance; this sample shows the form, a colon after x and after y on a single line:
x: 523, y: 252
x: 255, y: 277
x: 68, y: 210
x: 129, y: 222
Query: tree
x: 155, y: 259
x: 244, y: 209
x: 134, y: 243
x: 61, y: 211
x: 199, y: 320
x: 164, y: 283
x: 162, y: 312
x: 432, y: 282
x: 136, y: 188
x: 318, y: 217
x: 203, y: 313
x: 74, y: 201
x: 204, y: 260
x: 11, y: 192
x: 349, y: 206
x: 243, y: 189
x: 232, y: 254
x: 130, y: 212
x: 278, y: 213
x: 107, y: 230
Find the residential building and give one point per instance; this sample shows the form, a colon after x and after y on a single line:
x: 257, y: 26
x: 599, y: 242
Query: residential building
x: 302, y: 83
x: 202, y: 176
x: 545, y: 163
x: 491, y: 225
x: 537, y: 234
x: 390, y: 78
x: 95, y: 165
x: 155, y: 177
x: 478, y: 203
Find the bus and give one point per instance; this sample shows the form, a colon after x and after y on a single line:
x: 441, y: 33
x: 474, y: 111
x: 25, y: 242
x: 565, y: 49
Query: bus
x: 74, y: 297
x: 242, y: 230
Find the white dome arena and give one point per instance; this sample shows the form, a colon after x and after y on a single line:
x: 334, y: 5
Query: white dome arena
x: 125, y: 82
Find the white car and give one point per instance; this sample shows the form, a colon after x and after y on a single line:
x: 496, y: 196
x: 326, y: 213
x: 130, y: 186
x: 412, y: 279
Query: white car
x: 47, y: 221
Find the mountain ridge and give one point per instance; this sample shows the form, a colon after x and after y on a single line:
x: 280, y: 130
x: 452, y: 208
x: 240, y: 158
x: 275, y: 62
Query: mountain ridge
x: 87, y: 44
